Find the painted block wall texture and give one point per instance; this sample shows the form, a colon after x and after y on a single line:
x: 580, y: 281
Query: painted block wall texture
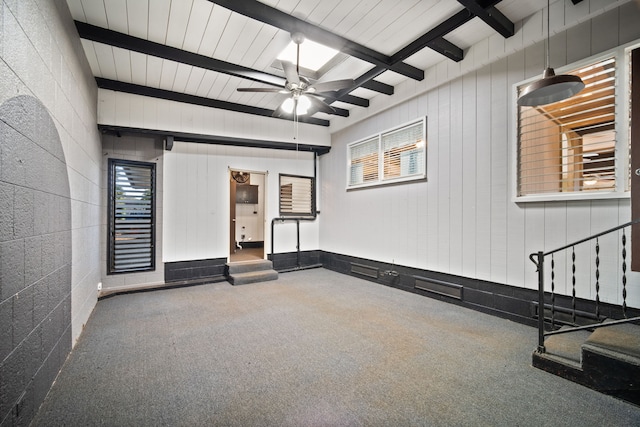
x: 196, y: 198
x: 143, y: 150
x: 35, y: 257
x: 462, y: 220
x: 41, y: 59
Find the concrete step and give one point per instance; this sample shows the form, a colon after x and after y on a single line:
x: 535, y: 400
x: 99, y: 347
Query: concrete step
x: 253, y: 277
x: 620, y: 342
x: 248, y: 266
x: 607, y: 360
x: 567, y: 346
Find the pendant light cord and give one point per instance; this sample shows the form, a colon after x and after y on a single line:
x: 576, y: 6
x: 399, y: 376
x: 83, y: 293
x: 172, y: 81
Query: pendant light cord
x: 547, y: 65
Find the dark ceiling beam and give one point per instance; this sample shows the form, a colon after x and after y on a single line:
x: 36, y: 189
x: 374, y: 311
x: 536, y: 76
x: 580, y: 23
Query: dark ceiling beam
x: 196, y: 100
x: 377, y: 86
x: 125, y: 41
x: 354, y: 100
x: 434, y: 36
x: 492, y: 16
x: 274, y: 17
x: 213, y: 139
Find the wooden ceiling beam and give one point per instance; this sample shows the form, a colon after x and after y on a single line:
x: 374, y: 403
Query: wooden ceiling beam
x: 492, y: 16
x: 276, y: 18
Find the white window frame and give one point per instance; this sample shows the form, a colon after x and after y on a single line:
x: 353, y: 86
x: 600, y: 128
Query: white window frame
x: 622, y: 144
x: 382, y: 180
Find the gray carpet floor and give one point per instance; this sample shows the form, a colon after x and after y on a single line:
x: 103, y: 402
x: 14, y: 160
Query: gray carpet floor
x: 314, y: 348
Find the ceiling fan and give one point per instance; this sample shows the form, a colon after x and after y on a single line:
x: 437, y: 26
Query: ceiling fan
x: 303, y: 97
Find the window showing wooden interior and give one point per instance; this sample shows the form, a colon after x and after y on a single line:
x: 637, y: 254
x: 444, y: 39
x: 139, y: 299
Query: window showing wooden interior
x: 391, y: 156
x: 569, y: 146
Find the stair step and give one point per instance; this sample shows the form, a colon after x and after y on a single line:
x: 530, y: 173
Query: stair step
x: 248, y: 266
x: 618, y: 341
x: 567, y: 346
x: 253, y: 277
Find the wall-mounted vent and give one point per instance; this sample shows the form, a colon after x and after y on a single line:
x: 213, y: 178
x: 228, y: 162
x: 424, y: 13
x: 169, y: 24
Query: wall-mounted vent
x: 439, y: 287
x: 364, y: 270
x: 564, y: 316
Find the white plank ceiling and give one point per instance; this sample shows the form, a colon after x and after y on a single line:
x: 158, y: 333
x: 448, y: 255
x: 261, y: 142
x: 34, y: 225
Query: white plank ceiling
x: 208, y: 29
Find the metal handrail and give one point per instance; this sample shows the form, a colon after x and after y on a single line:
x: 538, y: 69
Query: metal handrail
x: 586, y: 239
x: 538, y: 259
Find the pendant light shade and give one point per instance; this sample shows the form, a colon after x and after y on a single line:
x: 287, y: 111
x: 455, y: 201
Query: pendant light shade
x: 550, y: 88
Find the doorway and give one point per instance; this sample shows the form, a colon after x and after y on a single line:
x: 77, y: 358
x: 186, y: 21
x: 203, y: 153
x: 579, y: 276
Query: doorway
x: 247, y: 191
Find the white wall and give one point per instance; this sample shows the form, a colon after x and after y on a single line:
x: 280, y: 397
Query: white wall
x: 124, y: 109
x: 41, y: 56
x: 463, y: 221
x: 196, y: 198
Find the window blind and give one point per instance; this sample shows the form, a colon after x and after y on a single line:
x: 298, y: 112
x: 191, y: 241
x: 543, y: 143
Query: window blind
x: 569, y: 146
x: 132, y: 201
x: 364, y: 162
x: 296, y: 195
x: 403, y: 152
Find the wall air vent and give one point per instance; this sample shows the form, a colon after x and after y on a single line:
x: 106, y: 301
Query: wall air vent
x: 364, y: 270
x: 439, y: 287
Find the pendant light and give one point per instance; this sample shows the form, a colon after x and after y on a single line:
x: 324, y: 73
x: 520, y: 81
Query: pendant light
x: 550, y: 88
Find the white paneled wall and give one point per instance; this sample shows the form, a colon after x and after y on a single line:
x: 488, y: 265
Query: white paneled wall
x: 124, y: 109
x: 196, y: 198
x: 462, y: 220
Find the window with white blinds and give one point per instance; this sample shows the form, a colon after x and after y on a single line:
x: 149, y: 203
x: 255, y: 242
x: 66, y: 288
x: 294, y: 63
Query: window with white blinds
x: 297, y: 195
x: 364, y: 162
x: 131, y: 246
x: 403, y: 152
x: 569, y: 146
x: 391, y: 156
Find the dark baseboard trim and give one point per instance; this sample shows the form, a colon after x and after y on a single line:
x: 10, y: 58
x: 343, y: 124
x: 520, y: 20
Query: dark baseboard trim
x: 502, y: 300
x: 194, y: 270
x: 289, y: 261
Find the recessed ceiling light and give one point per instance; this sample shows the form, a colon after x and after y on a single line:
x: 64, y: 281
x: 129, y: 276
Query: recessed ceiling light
x: 312, y: 55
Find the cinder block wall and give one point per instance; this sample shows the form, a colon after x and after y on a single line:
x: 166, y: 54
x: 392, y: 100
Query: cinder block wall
x: 35, y: 256
x: 50, y: 157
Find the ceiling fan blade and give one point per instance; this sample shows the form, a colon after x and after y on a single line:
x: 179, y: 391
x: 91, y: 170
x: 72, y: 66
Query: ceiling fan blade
x: 291, y: 73
x: 278, y: 112
x: 332, y: 85
x: 259, y: 89
x: 318, y: 105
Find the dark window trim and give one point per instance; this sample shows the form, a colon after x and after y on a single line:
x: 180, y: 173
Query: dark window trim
x: 313, y: 196
x: 111, y: 215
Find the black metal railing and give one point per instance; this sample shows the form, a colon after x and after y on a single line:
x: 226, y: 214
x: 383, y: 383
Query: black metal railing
x: 538, y: 258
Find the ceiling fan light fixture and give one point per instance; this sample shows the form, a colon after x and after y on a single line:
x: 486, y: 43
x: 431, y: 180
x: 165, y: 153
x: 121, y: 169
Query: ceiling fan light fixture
x: 550, y: 88
x: 302, y: 107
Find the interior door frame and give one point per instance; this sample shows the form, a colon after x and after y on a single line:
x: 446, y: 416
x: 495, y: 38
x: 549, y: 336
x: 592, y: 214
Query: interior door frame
x: 232, y: 209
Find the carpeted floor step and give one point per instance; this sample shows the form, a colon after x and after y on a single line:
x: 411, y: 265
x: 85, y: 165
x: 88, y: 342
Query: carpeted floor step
x: 567, y: 346
x: 253, y: 277
x: 248, y: 266
x: 619, y: 341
